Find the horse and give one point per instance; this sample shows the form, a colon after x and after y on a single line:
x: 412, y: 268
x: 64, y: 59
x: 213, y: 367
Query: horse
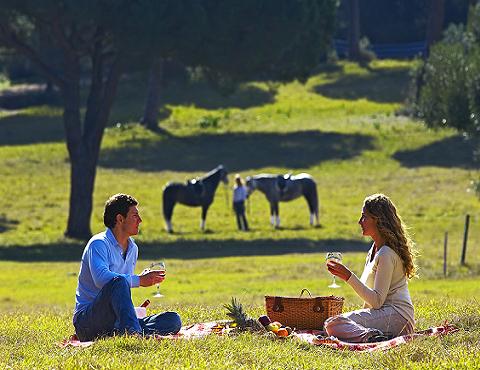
x: 285, y: 188
x: 195, y: 193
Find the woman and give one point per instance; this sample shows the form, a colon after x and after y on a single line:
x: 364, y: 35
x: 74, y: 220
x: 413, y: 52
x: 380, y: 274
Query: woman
x: 239, y: 197
x: 388, y: 309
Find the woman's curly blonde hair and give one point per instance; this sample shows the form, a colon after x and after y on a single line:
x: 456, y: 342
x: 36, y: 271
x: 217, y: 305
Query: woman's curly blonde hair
x: 392, y: 229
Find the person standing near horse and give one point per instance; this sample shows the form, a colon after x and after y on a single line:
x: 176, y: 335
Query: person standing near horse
x: 239, y: 197
x: 388, y: 309
x: 103, y: 301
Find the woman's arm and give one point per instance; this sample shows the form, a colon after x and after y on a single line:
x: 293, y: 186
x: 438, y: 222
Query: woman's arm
x: 375, y: 297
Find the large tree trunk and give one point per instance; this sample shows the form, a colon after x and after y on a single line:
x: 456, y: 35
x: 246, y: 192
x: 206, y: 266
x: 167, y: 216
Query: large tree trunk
x: 84, y: 145
x: 81, y: 179
x: 436, y: 15
x: 152, y: 102
x: 354, y: 30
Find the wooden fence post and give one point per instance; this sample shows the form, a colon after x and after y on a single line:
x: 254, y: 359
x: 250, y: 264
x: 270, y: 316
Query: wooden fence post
x: 445, y: 243
x: 465, y: 238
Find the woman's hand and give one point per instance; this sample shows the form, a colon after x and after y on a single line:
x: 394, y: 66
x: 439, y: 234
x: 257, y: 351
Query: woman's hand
x: 338, y: 269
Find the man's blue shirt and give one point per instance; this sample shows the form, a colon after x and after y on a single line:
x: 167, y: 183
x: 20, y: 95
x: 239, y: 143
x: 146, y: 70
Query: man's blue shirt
x: 102, y: 260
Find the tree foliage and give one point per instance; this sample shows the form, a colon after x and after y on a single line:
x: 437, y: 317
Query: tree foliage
x: 449, y: 86
x: 450, y: 92
x: 263, y: 39
x: 99, y: 40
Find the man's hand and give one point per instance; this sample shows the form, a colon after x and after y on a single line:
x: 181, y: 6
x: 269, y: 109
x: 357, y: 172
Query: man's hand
x: 338, y: 269
x: 152, y: 277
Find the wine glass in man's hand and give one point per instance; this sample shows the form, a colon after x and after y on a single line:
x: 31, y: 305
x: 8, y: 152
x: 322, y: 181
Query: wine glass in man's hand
x: 158, y: 266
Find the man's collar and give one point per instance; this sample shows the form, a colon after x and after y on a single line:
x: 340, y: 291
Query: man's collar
x: 114, y: 241
x: 111, y: 237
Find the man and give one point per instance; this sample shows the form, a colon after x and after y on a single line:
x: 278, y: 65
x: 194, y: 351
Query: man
x: 103, y: 300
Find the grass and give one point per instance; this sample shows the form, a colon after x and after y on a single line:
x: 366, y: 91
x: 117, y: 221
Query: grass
x: 38, y: 315
x: 340, y: 126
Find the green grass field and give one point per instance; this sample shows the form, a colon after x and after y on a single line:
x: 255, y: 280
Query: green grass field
x: 340, y: 126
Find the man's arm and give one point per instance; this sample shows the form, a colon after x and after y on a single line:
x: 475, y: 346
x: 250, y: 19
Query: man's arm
x: 100, y: 266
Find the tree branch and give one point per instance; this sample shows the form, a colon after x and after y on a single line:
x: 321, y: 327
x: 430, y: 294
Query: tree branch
x: 96, y: 86
x: 94, y: 129
x: 12, y: 40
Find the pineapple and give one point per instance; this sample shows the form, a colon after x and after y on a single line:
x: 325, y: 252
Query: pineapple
x: 244, y: 322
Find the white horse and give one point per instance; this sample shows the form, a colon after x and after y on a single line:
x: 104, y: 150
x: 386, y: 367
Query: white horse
x: 283, y: 188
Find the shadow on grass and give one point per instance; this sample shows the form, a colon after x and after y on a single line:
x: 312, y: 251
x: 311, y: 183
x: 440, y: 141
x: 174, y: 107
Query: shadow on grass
x: 130, y: 104
x: 23, y: 129
x: 454, y: 151
x: 203, y: 96
x: 379, y: 85
x: 186, y: 250
x: 6, y: 224
x: 237, y: 151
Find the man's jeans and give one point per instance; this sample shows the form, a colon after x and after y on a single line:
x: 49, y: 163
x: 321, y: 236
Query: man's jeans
x: 112, y: 312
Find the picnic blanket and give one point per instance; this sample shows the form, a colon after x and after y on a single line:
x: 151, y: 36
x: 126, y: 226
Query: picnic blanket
x: 186, y: 332
x: 313, y: 337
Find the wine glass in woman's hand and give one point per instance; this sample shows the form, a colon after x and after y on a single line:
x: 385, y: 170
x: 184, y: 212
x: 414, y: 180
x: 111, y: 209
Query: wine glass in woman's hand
x: 337, y: 257
x: 159, y: 266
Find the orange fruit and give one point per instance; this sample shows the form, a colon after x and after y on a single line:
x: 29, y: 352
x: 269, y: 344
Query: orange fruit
x: 282, y: 332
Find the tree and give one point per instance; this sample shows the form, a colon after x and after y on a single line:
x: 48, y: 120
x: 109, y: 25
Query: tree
x: 101, y: 39
x: 436, y: 16
x: 354, y: 30
x: 152, y: 102
x: 450, y: 89
x: 90, y: 42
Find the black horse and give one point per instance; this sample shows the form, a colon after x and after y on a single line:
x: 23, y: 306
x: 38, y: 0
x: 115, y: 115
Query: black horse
x: 195, y: 193
x: 285, y: 188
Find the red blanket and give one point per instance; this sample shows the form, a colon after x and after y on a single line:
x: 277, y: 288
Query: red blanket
x: 311, y: 336
x: 187, y: 332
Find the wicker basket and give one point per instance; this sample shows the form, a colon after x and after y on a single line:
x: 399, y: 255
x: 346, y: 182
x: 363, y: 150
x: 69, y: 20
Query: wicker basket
x: 303, y: 313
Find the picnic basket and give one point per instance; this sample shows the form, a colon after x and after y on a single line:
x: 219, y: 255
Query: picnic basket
x: 303, y: 313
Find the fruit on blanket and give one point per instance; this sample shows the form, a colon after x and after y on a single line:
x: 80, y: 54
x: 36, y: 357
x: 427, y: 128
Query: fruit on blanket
x: 236, y: 312
x: 272, y: 327
x: 282, y: 332
x: 264, y: 320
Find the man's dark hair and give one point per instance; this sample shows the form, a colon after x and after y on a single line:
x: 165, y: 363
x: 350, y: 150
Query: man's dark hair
x: 117, y: 204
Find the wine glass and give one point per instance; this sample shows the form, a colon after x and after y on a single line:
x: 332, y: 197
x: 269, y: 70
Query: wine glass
x: 160, y: 265
x: 337, y: 257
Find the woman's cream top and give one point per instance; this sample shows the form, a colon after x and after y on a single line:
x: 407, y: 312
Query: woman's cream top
x: 383, y: 283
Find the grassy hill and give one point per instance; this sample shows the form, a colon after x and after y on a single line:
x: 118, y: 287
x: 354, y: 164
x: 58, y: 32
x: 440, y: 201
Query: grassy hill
x: 340, y: 126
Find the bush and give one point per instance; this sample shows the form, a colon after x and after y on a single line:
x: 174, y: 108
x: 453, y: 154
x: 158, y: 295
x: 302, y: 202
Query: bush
x: 443, y: 99
x: 449, y: 82
x: 209, y: 122
x: 450, y: 89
